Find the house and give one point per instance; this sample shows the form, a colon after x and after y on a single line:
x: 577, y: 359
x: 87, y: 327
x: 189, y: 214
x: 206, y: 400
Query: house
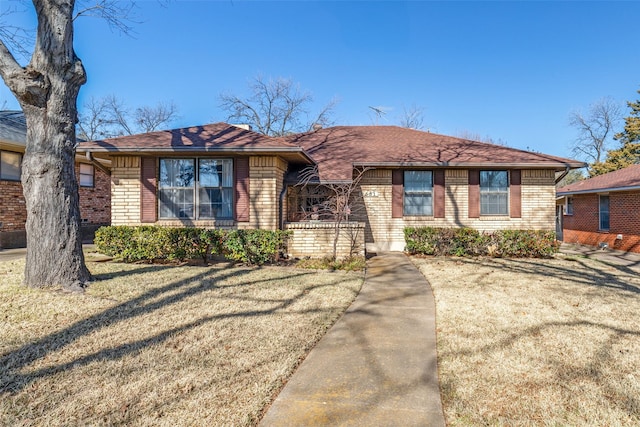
x: 603, y: 210
x: 220, y: 175
x: 93, y: 178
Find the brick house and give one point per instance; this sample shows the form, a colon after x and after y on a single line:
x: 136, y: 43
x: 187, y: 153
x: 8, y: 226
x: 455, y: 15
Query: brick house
x: 603, y: 210
x: 224, y: 176
x: 93, y: 179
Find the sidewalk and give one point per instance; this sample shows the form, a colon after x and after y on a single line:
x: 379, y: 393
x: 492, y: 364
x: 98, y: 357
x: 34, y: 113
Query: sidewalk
x: 629, y: 260
x: 377, y: 365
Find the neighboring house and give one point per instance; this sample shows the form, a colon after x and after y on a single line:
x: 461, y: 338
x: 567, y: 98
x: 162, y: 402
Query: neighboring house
x: 93, y: 177
x: 603, y: 210
x: 220, y: 175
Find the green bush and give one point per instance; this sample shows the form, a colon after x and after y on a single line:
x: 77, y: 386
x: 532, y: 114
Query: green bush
x: 151, y: 243
x: 471, y: 242
x: 255, y: 246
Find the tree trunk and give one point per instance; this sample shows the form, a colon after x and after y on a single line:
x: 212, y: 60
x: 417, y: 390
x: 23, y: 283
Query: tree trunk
x: 47, y: 89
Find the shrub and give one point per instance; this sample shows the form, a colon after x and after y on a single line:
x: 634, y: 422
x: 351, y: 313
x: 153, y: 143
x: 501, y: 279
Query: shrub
x: 468, y: 241
x: 255, y: 246
x: 151, y: 243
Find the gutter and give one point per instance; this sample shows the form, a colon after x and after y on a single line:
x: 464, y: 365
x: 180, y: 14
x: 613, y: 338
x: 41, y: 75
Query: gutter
x: 97, y: 163
x: 600, y: 190
x: 562, y: 175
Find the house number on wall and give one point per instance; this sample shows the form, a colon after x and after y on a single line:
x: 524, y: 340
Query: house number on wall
x: 371, y: 193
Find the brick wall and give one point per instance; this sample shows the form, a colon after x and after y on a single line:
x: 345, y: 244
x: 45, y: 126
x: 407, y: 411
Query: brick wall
x: 624, y: 211
x: 95, y: 202
x: 94, y: 208
x: 315, y: 239
x: 125, y: 190
x: 383, y: 232
x: 266, y: 174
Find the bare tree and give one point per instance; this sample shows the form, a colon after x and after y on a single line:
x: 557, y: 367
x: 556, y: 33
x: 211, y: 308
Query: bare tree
x: 473, y: 136
x: 595, y: 128
x: 276, y: 107
x: 109, y: 117
x: 412, y: 117
x: 47, y: 90
x: 337, y: 201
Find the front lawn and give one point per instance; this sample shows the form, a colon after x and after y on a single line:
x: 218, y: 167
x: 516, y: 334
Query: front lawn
x: 537, y: 342
x: 160, y: 345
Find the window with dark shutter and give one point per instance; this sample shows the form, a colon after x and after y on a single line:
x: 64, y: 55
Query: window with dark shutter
x: 397, y: 193
x: 474, y: 193
x: 515, y: 195
x: 242, y: 189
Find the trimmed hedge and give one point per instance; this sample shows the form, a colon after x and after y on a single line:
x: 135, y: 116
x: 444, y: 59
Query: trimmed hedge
x: 471, y: 242
x: 151, y: 243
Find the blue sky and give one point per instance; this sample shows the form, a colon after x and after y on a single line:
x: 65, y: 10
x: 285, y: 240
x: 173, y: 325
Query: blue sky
x: 511, y: 71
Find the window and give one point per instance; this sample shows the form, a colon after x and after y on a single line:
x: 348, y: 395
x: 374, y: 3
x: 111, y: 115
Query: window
x: 10, y: 165
x: 494, y: 193
x: 418, y: 193
x: 86, y: 175
x: 196, y: 193
x: 604, y: 213
x: 569, y: 206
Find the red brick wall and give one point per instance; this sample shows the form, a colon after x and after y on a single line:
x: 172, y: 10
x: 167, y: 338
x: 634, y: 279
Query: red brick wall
x: 95, y: 202
x: 582, y: 226
x: 13, y: 213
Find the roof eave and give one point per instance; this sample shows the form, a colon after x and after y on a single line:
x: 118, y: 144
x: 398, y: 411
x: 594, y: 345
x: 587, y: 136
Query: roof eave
x: 521, y: 165
x: 226, y: 150
x: 599, y: 190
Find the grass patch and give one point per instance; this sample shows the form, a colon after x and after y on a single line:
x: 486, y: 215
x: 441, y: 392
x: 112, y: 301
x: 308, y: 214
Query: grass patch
x: 537, y: 342
x: 355, y: 263
x: 160, y: 345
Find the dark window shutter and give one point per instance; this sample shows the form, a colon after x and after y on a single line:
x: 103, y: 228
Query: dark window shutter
x: 515, y: 195
x: 474, y: 193
x: 242, y: 189
x: 148, y: 184
x: 397, y: 193
x: 438, y: 193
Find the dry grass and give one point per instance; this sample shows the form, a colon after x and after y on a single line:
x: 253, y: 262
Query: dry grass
x: 160, y: 345
x: 537, y: 342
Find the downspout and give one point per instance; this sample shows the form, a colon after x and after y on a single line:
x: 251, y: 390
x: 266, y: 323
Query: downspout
x: 283, y: 194
x: 563, y: 174
x: 97, y: 163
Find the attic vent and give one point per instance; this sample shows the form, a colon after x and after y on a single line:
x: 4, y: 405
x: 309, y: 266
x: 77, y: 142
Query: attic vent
x: 243, y: 126
x: 316, y: 127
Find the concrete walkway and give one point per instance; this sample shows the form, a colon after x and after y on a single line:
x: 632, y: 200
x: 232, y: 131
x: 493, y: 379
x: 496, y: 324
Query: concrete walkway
x: 628, y: 260
x: 377, y: 365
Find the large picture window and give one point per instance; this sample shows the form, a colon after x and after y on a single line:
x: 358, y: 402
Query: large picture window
x: 494, y: 193
x: 10, y: 165
x: 604, y: 213
x: 196, y: 188
x: 418, y: 193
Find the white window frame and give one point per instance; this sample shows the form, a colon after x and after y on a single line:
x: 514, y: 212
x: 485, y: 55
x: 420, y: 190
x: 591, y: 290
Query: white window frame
x: 86, y: 175
x: 3, y: 176
x: 568, y: 206
x: 226, y: 186
x: 494, y: 191
x: 601, y: 212
x: 425, y: 194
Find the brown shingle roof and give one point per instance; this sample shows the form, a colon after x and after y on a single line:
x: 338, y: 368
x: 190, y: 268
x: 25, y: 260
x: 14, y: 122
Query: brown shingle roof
x: 212, y: 137
x: 623, y: 179
x: 337, y: 149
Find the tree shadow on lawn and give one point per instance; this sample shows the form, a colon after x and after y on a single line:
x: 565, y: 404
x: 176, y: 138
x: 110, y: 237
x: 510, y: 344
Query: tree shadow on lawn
x: 591, y: 273
x: 13, y: 381
x: 566, y: 373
